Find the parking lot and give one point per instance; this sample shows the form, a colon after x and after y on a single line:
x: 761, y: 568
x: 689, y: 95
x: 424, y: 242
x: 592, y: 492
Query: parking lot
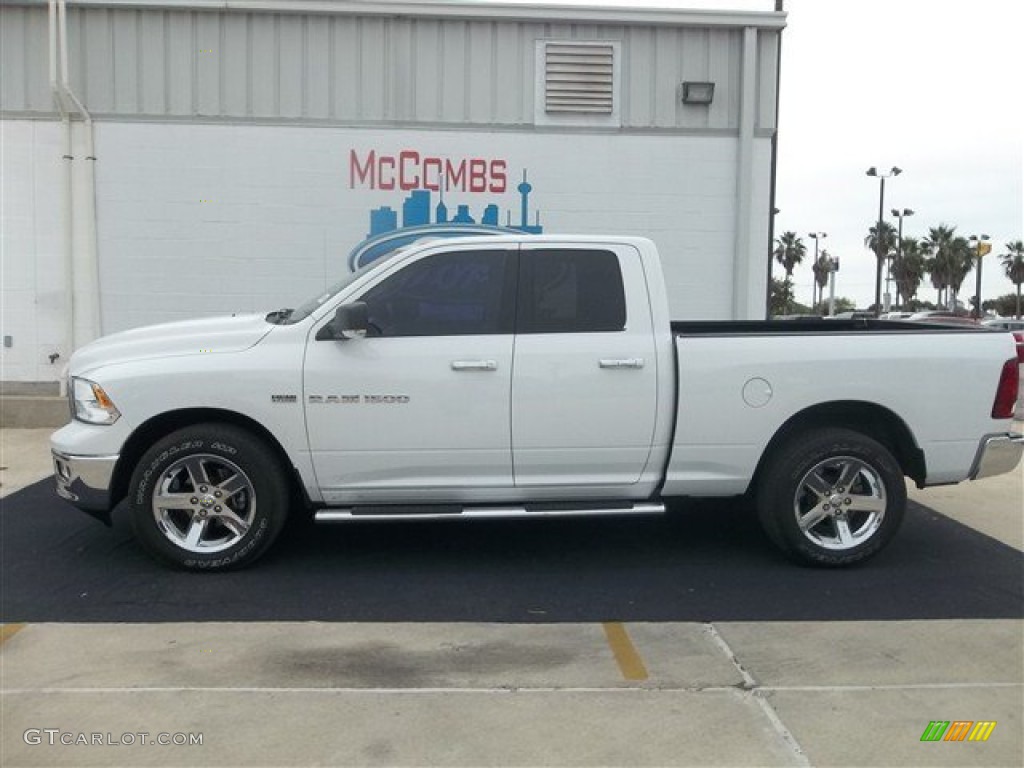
x: 683, y: 640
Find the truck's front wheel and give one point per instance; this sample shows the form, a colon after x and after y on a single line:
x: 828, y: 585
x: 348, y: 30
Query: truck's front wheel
x: 832, y: 497
x: 208, y: 497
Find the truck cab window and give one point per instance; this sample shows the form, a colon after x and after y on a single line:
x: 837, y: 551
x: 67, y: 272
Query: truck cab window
x: 460, y: 293
x: 570, y: 291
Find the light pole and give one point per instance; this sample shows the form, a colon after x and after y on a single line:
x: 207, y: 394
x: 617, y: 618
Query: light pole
x: 981, y: 247
x: 814, y: 288
x: 880, y: 249
x: 899, y: 253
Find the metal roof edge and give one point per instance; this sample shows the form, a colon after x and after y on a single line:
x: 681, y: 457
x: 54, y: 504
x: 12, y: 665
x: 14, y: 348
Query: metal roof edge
x: 484, y: 11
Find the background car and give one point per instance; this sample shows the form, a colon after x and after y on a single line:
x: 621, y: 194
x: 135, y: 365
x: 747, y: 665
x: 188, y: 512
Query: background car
x: 943, y: 317
x: 1004, y: 323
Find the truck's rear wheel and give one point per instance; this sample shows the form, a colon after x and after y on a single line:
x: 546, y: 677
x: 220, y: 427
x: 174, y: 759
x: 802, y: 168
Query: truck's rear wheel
x: 208, y: 497
x: 832, y: 497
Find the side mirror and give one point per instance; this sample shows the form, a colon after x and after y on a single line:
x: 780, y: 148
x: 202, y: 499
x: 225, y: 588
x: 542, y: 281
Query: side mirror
x: 351, y: 320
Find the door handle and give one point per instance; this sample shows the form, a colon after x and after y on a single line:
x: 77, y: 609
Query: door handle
x: 474, y: 365
x: 616, y: 364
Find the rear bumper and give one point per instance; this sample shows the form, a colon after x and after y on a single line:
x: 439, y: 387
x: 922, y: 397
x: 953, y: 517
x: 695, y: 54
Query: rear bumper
x: 997, y: 454
x: 84, y: 480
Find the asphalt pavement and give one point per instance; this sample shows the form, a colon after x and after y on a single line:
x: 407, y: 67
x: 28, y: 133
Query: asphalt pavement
x: 703, y: 562
x: 683, y: 640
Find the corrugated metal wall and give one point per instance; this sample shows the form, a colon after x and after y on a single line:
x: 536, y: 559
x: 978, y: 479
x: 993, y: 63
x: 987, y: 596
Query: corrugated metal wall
x: 360, y: 70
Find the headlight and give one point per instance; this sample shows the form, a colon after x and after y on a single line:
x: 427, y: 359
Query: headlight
x: 92, y: 404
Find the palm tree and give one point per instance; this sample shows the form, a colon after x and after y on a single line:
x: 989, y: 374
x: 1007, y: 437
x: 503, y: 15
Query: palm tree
x: 909, y: 269
x: 821, y: 272
x: 789, y: 251
x: 882, y: 245
x: 1013, y: 265
x: 942, y: 264
x: 888, y: 242
x: 936, y: 278
x: 961, y: 263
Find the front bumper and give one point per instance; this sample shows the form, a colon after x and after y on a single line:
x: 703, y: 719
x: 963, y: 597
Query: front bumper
x: 997, y: 454
x: 85, y: 480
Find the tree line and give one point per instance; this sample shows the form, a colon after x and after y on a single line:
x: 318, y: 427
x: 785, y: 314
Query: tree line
x: 942, y: 256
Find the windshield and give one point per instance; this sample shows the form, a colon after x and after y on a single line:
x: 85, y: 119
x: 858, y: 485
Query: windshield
x: 304, y: 310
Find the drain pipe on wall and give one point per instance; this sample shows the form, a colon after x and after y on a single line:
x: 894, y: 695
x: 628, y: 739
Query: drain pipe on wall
x: 81, y: 290
x: 87, y: 284
x: 65, y: 200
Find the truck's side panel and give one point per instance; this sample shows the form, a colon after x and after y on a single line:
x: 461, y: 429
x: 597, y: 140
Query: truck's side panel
x: 242, y: 382
x: 419, y: 410
x: 584, y: 389
x: 735, y: 392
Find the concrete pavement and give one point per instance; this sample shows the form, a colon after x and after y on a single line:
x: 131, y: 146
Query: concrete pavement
x: 464, y: 694
x: 24, y: 458
x: 994, y: 506
x: 740, y: 693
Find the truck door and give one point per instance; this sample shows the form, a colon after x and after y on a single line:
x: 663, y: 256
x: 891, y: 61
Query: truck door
x: 419, y: 408
x: 584, y: 381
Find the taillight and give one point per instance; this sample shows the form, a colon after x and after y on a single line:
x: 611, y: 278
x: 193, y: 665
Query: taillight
x: 1018, y: 336
x: 1006, y: 392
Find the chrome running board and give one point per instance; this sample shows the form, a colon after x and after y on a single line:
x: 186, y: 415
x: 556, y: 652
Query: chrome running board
x: 455, y: 511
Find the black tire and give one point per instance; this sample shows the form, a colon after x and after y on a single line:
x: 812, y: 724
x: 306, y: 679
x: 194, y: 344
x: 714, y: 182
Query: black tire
x: 831, y: 497
x: 209, y: 497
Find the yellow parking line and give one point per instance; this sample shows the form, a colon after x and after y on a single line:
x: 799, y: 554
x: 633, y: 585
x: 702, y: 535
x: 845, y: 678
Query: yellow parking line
x: 626, y: 655
x: 8, y: 631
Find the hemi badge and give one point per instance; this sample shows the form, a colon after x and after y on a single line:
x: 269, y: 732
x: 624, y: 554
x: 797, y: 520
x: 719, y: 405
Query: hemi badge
x: 283, y: 398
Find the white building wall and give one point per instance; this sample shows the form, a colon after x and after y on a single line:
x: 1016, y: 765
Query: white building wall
x: 164, y: 62
x: 31, y: 267
x: 207, y: 219
x: 223, y: 141
x: 754, y: 297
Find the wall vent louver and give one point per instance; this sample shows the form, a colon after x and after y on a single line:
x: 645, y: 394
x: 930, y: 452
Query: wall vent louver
x: 578, y: 78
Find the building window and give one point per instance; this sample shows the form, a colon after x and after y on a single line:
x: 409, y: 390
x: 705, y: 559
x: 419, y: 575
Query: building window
x: 577, y: 83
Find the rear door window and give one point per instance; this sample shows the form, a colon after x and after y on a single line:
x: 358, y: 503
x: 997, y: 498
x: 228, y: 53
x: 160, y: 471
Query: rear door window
x: 570, y: 291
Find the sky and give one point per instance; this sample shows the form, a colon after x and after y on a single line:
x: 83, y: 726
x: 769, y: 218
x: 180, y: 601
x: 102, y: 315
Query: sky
x: 933, y: 87
x: 930, y: 86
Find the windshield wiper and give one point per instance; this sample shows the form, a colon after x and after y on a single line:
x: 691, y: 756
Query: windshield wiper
x: 278, y: 316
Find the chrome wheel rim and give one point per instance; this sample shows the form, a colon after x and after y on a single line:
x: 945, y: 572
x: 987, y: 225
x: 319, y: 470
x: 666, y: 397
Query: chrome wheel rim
x: 840, y: 503
x: 204, y: 503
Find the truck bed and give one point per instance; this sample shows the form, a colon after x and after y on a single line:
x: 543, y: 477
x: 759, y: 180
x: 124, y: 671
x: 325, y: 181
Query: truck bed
x: 740, y: 382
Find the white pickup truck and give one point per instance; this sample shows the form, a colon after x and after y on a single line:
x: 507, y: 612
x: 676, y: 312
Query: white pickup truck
x: 527, y: 376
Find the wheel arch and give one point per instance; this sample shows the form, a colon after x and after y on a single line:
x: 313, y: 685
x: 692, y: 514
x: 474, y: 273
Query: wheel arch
x: 147, y: 433
x: 869, y: 419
